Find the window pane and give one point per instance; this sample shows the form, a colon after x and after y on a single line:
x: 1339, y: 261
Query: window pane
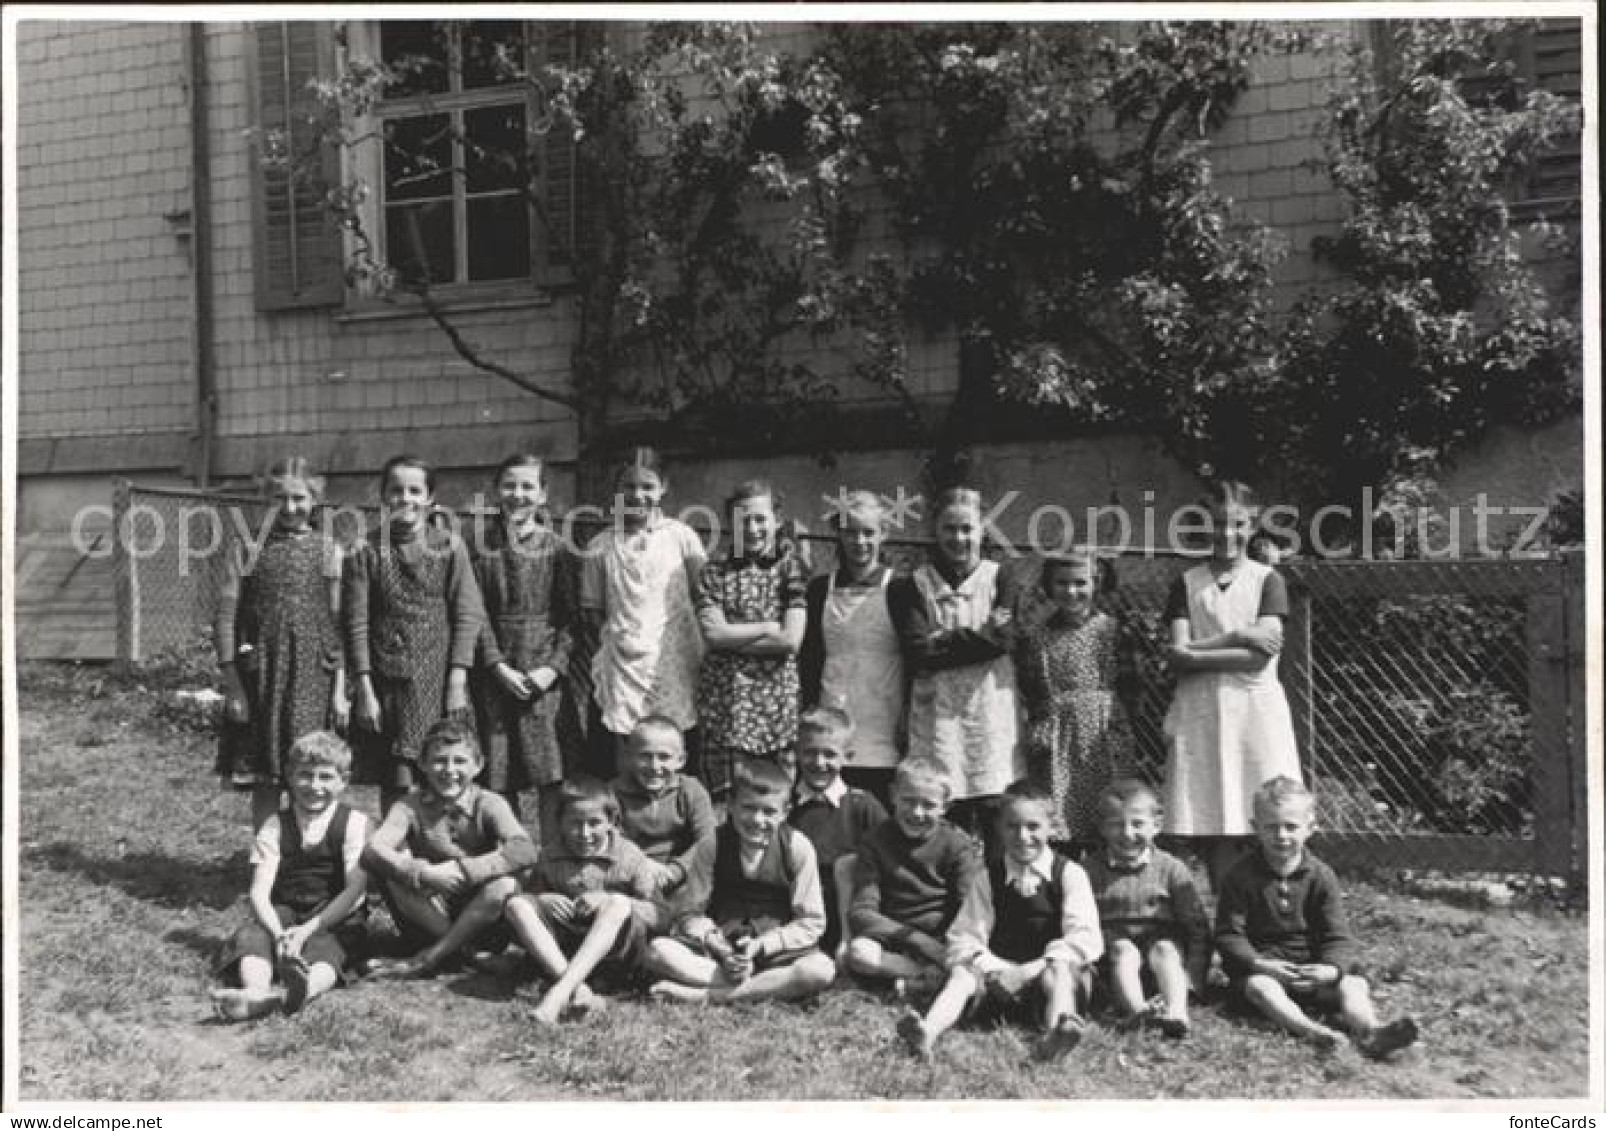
x: 419, y: 241
x: 493, y: 53
x: 495, y: 156
x: 418, y: 157
x: 498, y: 238
x: 417, y: 51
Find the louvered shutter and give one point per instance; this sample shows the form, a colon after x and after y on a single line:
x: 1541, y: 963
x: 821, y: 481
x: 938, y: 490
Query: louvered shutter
x: 1555, y: 62
x: 297, y: 248
x: 563, y: 43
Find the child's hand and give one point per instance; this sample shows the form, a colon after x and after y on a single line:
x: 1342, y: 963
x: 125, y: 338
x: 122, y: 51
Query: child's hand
x: 235, y: 708
x: 445, y: 877
x: 366, y: 714
x: 513, y: 681
x: 665, y: 878
x: 1315, y: 975
x: 1009, y: 981
x: 292, y: 940
x: 590, y: 903
x: 339, y: 713
x: 1285, y: 972
x: 738, y: 966
x: 1179, y: 656
x: 541, y: 680
x: 456, y: 692
x: 1268, y: 641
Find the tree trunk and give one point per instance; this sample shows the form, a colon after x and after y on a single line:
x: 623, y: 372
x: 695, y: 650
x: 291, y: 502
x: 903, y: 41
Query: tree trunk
x: 949, y: 463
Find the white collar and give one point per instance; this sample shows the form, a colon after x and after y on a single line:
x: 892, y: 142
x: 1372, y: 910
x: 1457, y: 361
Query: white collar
x: 1026, y: 877
x: 832, y: 794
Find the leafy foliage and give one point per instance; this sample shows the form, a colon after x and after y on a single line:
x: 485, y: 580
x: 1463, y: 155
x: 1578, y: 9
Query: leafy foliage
x: 1438, y: 327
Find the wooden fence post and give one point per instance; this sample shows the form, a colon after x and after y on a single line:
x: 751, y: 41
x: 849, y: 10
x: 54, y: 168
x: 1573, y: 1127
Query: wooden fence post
x: 1549, y: 751
x: 1297, y: 676
x: 1574, y: 591
x: 125, y: 576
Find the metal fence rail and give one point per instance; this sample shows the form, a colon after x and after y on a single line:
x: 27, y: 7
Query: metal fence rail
x: 1438, y: 705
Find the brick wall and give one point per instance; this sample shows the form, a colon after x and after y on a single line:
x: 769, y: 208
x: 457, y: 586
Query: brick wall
x: 103, y: 277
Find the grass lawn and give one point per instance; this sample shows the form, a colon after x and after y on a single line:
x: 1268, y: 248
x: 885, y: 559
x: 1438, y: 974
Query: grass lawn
x: 133, y: 869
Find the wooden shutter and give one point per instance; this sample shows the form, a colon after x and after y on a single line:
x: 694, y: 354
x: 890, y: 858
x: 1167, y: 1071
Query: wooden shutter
x: 1554, y: 61
x: 298, y: 250
x: 563, y: 43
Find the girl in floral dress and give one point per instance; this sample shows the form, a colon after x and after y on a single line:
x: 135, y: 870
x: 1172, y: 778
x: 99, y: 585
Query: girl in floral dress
x: 636, y: 586
x: 751, y: 608
x: 278, y: 640
x: 530, y: 582
x: 1077, y: 736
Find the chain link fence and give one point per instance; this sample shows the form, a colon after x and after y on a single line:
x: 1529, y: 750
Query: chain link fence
x: 1438, y: 705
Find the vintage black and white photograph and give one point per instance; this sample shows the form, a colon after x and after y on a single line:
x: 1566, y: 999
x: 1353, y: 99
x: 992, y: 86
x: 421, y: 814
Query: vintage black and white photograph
x: 831, y: 553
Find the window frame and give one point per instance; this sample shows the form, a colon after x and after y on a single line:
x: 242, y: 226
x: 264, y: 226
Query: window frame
x: 365, y: 162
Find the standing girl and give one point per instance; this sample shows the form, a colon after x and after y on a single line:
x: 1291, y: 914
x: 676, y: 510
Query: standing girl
x: 278, y: 640
x: 530, y: 582
x: 636, y: 588
x: 850, y: 659
x: 1228, y: 728
x: 750, y: 607
x: 413, y: 616
x: 953, y: 620
x: 1077, y: 734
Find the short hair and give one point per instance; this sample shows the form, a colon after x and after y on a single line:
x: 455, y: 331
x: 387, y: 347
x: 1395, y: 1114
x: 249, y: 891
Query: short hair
x: 520, y: 459
x: 320, y: 748
x: 1024, y: 789
x: 866, y: 506
x: 967, y: 497
x: 1125, y: 790
x: 584, y: 790
x: 448, y: 732
x: 404, y: 460
x: 662, y: 724
x: 1228, y: 493
x: 921, y: 770
x: 1274, y: 791
x: 750, y: 489
x: 761, y: 776
x: 1102, y: 568
x: 832, y: 721
x: 292, y: 468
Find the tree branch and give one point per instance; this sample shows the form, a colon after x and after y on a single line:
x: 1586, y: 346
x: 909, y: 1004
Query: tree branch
x: 468, y: 353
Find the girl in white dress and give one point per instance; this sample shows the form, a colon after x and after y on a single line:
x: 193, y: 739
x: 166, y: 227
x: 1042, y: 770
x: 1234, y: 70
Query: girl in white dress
x: 1229, y: 728
x: 637, y: 584
x: 955, y: 623
x: 850, y: 658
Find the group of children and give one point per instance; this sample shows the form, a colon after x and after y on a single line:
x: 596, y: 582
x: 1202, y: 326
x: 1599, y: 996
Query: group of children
x: 637, y: 689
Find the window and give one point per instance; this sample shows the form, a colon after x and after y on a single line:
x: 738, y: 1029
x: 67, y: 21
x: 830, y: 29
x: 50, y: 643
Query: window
x: 462, y: 148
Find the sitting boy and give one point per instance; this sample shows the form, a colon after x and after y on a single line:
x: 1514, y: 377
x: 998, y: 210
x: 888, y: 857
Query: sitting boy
x: 664, y: 812
x: 1150, y: 911
x: 1026, y: 936
x: 751, y: 916
x: 832, y: 814
x: 911, y: 876
x: 1282, y: 935
x: 586, y: 892
x: 306, y: 881
x: 448, y: 853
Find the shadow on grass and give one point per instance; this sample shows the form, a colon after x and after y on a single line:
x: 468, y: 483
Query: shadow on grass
x: 207, y: 945
x: 150, y: 876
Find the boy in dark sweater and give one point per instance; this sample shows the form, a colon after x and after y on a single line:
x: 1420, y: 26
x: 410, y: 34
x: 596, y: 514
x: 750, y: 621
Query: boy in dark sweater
x: 1025, y: 939
x: 662, y: 811
x: 1283, y: 938
x: 913, y: 873
x: 750, y: 917
x: 832, y: 814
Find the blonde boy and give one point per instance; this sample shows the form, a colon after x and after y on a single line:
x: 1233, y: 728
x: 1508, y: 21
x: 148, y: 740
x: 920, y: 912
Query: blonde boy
x: 1154, y: 922
x: 588, y: 892
x: 1283, y: 937
x: 305, y: 883
x: 662, y: 811
x: 1025, y: 939
x: 751, y: 915
x: 447, y: 853
x: 912, y: 873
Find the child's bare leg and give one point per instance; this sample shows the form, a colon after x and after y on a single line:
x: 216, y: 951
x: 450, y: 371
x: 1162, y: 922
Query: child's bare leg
x: 682, y: 973
x: 256, y: 996
x: 482, y: 910
x: 1064, y: 988
x: 264, y: 804
x: 524, y: 919
x: 803, y: 978
x: 1355, y: 1010
x: 1126, y: 977
x: 419, y: 909
x: 1269, y: 997
x: 611, y: 918
x: 1171, y: 974
x: 919, y: 1034
x: 870, y: 959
